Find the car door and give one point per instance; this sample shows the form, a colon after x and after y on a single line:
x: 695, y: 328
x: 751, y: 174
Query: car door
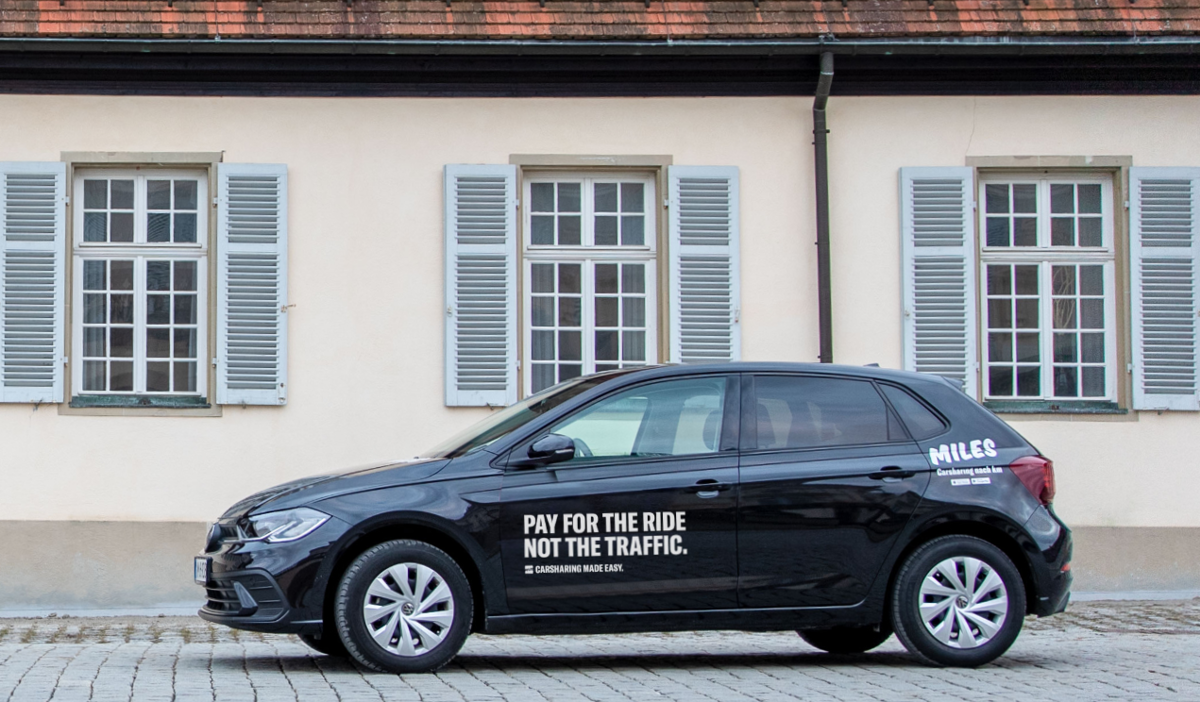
x: 828, y: 478
x: 643, y: 518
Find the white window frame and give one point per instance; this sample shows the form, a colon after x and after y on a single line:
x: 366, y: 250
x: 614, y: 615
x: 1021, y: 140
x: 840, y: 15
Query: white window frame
x: 139, y: 250
x: 1045, y: 257
x: 587, y: 254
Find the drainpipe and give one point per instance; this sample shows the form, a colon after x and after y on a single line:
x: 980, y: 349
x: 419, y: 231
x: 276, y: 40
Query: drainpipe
x: 820, y: 147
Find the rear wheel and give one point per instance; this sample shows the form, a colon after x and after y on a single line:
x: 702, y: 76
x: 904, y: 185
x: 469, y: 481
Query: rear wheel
x: 403, y: 607
x: 958, y: 601
x: 327, y: 643
x: 847, y: 639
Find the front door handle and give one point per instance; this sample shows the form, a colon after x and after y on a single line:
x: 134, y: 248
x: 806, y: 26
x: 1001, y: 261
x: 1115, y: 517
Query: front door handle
x: 892, y: 473
x: 709, y: 488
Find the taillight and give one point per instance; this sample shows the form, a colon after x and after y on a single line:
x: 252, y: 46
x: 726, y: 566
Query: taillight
x: 1037, y: 474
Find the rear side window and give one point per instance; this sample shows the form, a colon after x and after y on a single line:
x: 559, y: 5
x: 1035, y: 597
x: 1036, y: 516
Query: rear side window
x: 811, y: 412
x: 921, y: 422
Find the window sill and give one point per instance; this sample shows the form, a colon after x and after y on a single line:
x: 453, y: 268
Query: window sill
x: 141, y: 405
x: 1055, y: 407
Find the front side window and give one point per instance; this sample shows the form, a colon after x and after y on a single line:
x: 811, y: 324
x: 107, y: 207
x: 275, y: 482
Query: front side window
x: 139, y: 273
x: 589, y: 276
x: 1048, y: 309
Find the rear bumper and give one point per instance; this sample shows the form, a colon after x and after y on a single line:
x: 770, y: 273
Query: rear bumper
x: 1052, y: 567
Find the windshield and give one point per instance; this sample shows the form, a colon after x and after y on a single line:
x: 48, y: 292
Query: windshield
x: 512, y: 418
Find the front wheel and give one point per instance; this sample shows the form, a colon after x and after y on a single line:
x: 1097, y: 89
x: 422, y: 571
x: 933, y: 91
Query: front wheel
x: 403, y: 607
x: 958, y: 601
x: 846, y: 639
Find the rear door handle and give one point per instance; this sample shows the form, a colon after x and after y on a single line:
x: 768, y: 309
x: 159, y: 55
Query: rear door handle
x: 892, y: 474
x: 709, y: 488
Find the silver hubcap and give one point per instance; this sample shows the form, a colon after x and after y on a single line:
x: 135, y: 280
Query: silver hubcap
x: 408, y: 609
x: 963, y: 602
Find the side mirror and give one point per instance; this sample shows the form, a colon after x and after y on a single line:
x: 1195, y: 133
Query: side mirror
x: 552, y: 448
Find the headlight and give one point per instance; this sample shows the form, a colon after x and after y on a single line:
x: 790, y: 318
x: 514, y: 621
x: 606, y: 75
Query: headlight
x: 285, y: 525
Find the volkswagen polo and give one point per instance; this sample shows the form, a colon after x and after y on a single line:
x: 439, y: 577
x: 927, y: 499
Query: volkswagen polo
x: 844, y: 503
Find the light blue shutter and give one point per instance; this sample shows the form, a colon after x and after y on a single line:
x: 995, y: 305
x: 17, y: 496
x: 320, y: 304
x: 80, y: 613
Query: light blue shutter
x: 481, y: 285
x: 705, y: 295
x: 1165, y: 238
x: 32, y: 274
x: 252, y: 207
x: 938, y: 253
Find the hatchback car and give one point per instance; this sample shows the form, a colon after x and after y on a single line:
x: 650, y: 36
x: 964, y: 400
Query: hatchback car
x: 844, y: 503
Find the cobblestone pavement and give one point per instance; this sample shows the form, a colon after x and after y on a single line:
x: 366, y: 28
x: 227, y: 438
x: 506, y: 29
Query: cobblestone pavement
x: 1097, y: 651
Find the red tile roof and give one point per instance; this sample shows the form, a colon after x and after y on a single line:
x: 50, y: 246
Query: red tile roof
x: 576, y: 20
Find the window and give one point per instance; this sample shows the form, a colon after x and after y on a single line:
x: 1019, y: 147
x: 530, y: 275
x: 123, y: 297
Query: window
x: 670, y: 418
x: 1048, y: 297
x: 140, y: 271
x: 795, y: 412
x: 922, y: 423
x: 589, y: 279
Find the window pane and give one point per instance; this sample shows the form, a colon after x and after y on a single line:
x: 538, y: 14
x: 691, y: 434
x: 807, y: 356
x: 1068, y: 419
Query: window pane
x: 997, y: 232
x: 120, y: 376
x: 185, y: 194
x: 158, y: 343
x: 158, y: 275
x: 607, y: 346
x: 122, y: 227
x: 568, y: 278
x: 633, y: 197
x: 569, y: 314
x: 158, y: 194
x: 95, y: 226
x: 185, y: 309
x: 543, y: 376
x: 543, y: 345
x: 122, y: 275
x: 94, y: 376
x: 567, y: 371
x: 94, y: 342
x: 1065, y: 350
x: 634, y: 311
x: 1064, y: 314
x: 542, y: 195
x: 1066, y: 381
x: 568, y: 197
x: 122, y: 195
x: 1090, y: 232
x: 1089, y: 198
x: 185, y: 275
x: 606, y: 197
x: 1027, y: 314
x: 542, y: 233
x: 1062, y: 231
x: 999, y: 280
x: 1091, y: 313
x: 633, y: 230
x: 120, y: 309
x: 1029, y: 381
x: 606, y: 231
x: 542, y: 311
x: 158, y: 377
x: 543, y: 278
x: 1027, y: 280
x: 1000, y: 314
x: 185, y: 228
x: 685, y: 415
x: 633, y: 346
x: 569, y: 347
x: 921, y: 422
x: 1024, y: 231
x: 996, y: 195
x: 1000, y: 346
x: 799, y: 412
x: 1092, y: 347
x: 1029, y: 348
x: 1000, y: 381
x: 1093, y: 382
x: 121, y: 339
x: 95, y: 194
x: 185, y: 343
x: 94, y: 275
x: 185, y: 376
x: 1062, y: 198
x: 93, y: 309
x: 158, y: 309
x: 1024, y: 198
x: 607, y: 314
x: 633, y: 278
x: 606, y: 278
x: 1063, y: 280
x: 569, y: 231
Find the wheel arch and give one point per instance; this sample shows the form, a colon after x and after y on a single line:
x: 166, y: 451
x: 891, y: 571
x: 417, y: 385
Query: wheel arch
x: 994, y: 530
x: 415, y: 527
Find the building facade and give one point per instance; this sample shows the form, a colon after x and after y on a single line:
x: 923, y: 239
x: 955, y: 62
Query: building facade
x: 245, y: 247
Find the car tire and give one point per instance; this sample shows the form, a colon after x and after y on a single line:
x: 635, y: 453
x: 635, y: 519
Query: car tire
x: 330, y: 645
x: 846, y: 639
x: 958, y: 601
x: 403, y: 607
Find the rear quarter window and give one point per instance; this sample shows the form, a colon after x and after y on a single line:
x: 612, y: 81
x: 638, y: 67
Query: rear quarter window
x: 922, y: 423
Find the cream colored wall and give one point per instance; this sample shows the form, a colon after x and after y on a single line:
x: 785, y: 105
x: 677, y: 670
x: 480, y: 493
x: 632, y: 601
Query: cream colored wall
x: 365, y: 353
x: 1139, y: 472
x: 366, y: 330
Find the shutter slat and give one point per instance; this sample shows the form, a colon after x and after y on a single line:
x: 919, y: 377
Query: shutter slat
x: 704, y: 284
x: 1164, y: 245
x: 940, y: 332
x: 252, y: 284
x: 481, y: 285
x: 32, y: 281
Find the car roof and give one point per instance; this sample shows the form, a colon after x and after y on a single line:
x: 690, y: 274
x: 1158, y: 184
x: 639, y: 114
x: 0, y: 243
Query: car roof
x: 873, y: 372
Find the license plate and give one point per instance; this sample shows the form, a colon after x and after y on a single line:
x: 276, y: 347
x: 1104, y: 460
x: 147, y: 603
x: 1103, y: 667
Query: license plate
x: 201, y: 570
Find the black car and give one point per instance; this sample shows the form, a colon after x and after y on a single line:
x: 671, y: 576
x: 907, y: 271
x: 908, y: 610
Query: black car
x: 845, y: 503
